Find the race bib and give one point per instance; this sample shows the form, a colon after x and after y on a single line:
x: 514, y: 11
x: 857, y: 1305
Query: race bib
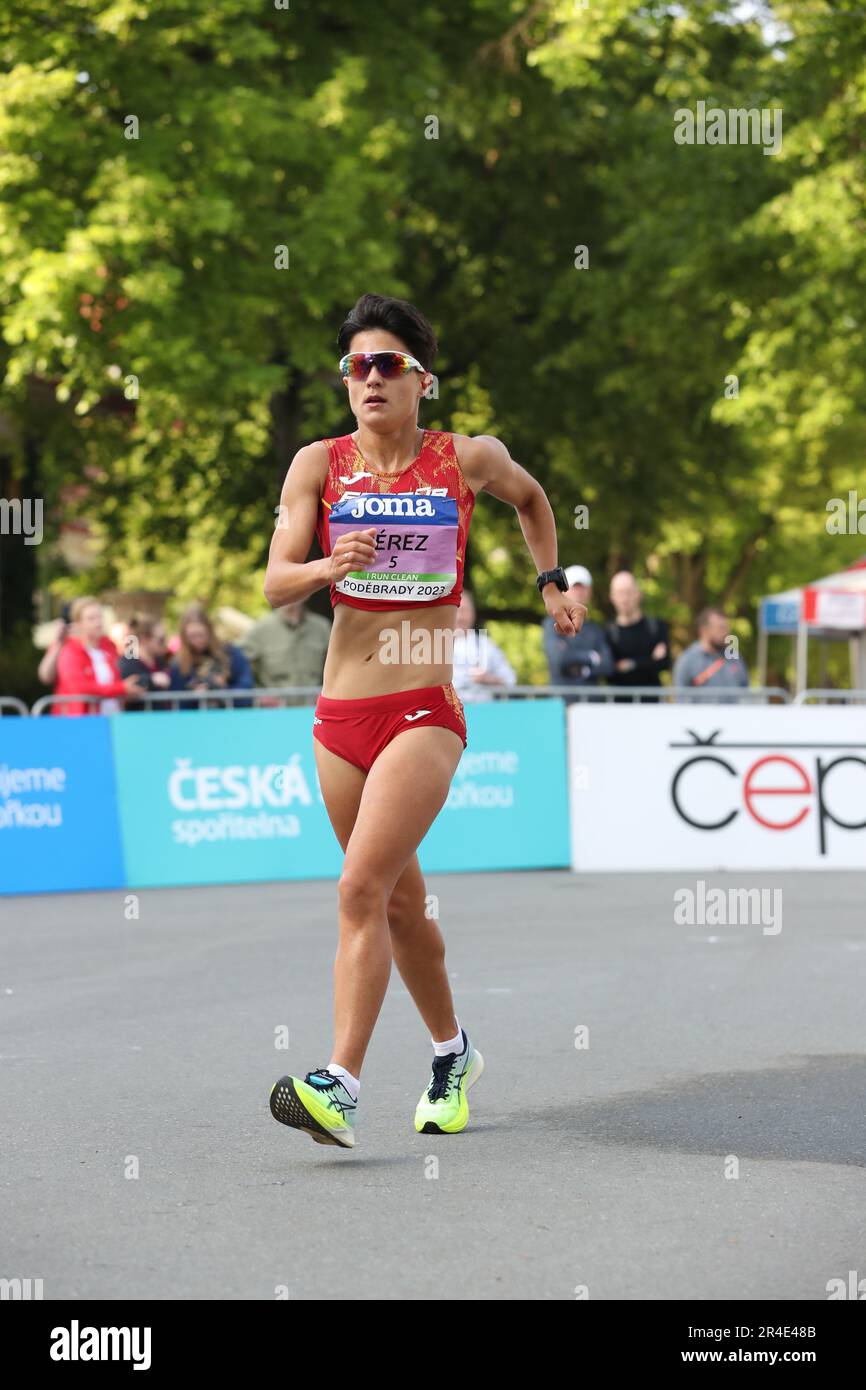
x: 416, y: 544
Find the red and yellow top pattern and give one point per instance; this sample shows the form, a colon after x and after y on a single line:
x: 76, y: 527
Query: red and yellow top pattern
x: 436, y: 467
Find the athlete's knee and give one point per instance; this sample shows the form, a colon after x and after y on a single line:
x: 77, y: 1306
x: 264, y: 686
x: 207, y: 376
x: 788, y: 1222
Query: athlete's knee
x: 361, y: 897
x: 405, y: 912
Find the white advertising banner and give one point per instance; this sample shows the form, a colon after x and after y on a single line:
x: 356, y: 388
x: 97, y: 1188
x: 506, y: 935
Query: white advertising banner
x: 700, y: 786
x: 829, y: 608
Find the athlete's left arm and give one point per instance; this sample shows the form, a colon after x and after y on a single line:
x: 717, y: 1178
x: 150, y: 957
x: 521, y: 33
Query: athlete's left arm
x: 488, y: 467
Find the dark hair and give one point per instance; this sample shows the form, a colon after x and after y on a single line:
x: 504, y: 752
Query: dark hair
x: 141, y: 626
x: 394, y: 316
x: 706, y: 613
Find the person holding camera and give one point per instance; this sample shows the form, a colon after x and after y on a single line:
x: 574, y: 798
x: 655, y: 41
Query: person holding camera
x: 584, y: 658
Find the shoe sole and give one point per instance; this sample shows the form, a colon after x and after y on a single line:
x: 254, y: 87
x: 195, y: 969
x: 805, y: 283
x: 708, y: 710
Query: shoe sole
x: 287, y: 1107
x: 430, y: 1126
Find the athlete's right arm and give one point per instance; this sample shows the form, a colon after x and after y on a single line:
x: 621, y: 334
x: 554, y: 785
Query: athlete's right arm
x: 290, y: 577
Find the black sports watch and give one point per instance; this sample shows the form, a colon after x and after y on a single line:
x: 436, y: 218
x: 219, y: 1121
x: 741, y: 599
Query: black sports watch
x: 556, y: 577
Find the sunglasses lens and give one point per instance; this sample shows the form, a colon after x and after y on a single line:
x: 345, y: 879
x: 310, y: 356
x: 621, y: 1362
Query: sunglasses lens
x: 391, y: 364
x: 387, y: 364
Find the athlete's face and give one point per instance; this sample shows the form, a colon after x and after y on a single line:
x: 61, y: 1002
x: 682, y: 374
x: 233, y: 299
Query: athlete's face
x: 378, y: 404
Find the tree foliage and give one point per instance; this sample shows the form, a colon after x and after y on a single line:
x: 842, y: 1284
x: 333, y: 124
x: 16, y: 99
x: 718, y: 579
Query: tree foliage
x: 156, y: 346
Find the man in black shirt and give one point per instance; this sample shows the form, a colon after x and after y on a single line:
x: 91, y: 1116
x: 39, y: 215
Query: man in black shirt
x: 640, y: 646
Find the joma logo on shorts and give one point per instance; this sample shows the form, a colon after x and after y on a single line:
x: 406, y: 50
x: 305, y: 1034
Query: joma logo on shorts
x: 383, y: 504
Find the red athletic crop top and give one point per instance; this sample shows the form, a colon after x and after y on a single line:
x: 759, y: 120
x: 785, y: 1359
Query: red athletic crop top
x: 422, y: 517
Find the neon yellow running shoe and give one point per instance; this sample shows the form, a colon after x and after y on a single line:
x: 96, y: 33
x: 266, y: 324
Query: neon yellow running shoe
x: 319, y: 1105
x: 443, y: 1108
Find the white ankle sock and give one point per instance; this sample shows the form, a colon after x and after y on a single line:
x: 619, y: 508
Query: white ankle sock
x: 351, y: 1083
x: 452, y: 1045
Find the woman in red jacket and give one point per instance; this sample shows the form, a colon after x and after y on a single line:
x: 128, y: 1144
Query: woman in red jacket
x: 87, y: 665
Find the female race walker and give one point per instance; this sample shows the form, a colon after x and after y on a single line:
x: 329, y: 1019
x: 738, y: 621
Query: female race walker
x: 391, y: 506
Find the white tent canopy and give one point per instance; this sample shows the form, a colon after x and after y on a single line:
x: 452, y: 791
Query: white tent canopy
x: 830, y: 609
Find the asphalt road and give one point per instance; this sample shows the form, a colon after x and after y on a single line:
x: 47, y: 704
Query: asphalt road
x: 149, y: 1045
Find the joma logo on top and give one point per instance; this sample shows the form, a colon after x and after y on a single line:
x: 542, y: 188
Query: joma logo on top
x: 381, y: 504
x: 736, y: 126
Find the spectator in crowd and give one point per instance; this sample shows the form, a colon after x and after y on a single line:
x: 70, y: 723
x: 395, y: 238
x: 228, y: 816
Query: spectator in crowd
x: 288, y: 647
x: 47, y: 669
x: 478, y: 662
x: 87, y: 665
x: 203, y: 663
x: 706, y: 664
x: 144, y: 654
x: 585, y: 658
x: 118, y: 633
x: 641, y: 646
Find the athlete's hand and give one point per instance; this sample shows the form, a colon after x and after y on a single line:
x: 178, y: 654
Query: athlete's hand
x: 567, y: 613
x: 353, y: 551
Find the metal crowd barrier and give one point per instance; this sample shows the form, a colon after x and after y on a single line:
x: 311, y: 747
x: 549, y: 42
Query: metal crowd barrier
x: 14, y: 706
x: 831, y: 697
x: 224, y: 699
x: 278, y: 696
x: 658, y: 694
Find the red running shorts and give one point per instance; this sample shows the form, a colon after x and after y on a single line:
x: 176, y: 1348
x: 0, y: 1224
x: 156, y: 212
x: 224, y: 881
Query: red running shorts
x: 358, y: 730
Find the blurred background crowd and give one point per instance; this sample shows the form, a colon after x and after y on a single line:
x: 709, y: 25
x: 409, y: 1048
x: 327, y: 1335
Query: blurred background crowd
x: 126, y: 665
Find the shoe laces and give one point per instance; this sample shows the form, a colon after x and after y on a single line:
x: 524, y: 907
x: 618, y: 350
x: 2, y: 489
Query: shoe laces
x: 334, y: 1101
x: 443, y: 1069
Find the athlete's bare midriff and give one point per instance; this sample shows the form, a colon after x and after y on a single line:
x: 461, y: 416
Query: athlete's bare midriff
x: 373, y: 653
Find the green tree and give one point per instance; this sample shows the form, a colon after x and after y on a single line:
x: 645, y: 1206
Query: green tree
x: 161, y: 352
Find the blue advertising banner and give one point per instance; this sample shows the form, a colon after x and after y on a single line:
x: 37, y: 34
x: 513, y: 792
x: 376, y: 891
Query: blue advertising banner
x: 58, y: 806
x: 225, y: 796
x: 221, y: 796
x: 780, y: 615
x: 230, y: 796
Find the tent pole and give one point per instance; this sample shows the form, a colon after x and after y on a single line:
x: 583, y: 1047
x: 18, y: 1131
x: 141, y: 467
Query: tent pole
x: 762, y: 654
x: 822, y: 664
x: 802, y: 658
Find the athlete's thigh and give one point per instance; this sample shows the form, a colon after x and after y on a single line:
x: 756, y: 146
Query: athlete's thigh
x: 342, y: 784
x: 404, y: 792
